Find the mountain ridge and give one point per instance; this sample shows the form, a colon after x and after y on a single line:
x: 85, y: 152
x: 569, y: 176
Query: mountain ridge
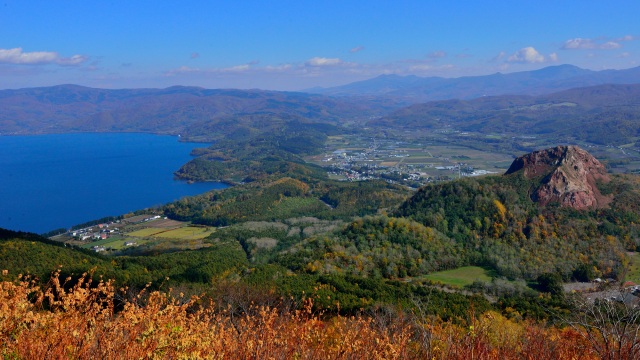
x: 175, y: 110
x: 603, y: 114
x: 550, y: 79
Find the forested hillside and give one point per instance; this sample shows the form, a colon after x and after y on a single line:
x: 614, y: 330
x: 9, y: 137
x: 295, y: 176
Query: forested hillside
x: 201, y: 114
x: 289, y: 237
x: 286, y: 235
x: 294, y: 219
x: 605, y: 114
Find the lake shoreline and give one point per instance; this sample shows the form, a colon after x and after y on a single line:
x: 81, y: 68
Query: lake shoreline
x: 89, y: 175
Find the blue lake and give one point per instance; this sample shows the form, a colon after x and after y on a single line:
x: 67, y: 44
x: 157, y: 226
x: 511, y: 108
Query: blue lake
x: 55, y: 181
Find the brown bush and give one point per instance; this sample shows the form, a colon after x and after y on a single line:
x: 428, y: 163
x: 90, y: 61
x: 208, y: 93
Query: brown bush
x: 93, y: 320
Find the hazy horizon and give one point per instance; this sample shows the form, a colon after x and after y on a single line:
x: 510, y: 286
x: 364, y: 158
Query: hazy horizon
x: 248, y: 88
x: 293, y: 45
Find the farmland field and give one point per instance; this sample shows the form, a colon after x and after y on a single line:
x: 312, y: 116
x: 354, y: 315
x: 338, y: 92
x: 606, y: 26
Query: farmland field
x: 115, y: 242
x: 146, y: 232
x: 465, y: 275
x: 188, y: 232
x: 166, y: 223
x: 102, y: 242
x: 633, y: 273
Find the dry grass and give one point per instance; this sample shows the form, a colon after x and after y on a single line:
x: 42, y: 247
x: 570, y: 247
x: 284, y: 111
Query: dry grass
x: 98, y: 322
x: 150, y: 231
x: 82, y: 323
x: 187, y: 233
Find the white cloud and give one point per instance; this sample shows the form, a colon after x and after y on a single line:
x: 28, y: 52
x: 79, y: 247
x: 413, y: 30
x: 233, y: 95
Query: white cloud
x: 581, y: 44
x: 323, y: 70
x: 499, y: 57
x: 237, y: 68
x: 626, y: 38
x: 526, y: 55
x: 421, y: 67
x: 427, y: 69
x: 503, y: 67
x: 182, y: 70
x: 356, y: 49
x: 437, y: 54
x: 322, y: 61
x: 284, y: 67
x: 553, y: 57
x: 578, y: 43
x: 610, y: 45
x: 72, y: 61
x: 17, y: 56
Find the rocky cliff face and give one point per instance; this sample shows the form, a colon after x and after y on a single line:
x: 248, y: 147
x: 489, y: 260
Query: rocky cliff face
x: 568, y: 176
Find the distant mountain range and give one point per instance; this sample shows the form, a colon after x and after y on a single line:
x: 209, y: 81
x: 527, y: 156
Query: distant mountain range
x: 176, y: 110
x: 604, y: 114
x: 414, y: 89
x: 607, y: 114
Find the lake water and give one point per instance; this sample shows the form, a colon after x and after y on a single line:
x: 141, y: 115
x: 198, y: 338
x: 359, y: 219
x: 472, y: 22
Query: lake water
x: 54, y: 181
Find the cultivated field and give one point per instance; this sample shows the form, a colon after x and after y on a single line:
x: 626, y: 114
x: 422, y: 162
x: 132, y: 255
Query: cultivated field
x: 146, y: 232
x: 461, y: 276
x: 633, y: 272
x: 187, y: 232
x: 157, y: 234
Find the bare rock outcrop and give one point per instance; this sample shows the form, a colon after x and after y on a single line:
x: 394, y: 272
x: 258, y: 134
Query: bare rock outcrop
x: 568, y: 176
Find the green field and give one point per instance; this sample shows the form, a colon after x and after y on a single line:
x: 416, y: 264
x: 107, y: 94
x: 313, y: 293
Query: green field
x: 105, y: 242
x: 461, y: 276
x: 633, y: 273
x: 115, y: 242
x: 155, y: 235
x: 146, y: 232
x: 187, y: 232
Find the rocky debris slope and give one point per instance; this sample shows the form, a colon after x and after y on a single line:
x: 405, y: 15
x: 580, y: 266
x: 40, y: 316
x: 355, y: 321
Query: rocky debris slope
x: 568, y: 176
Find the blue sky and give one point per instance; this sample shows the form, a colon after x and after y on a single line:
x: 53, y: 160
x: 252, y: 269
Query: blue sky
x: 293, y: 45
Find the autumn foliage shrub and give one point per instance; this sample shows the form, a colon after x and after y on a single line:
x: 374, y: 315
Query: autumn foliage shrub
x: 90, y: 320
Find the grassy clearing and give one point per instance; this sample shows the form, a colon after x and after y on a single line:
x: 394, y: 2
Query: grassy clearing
x: 146, y: 232
x: 115, y: 242
x: 104, y: 242
x: 119, y: 243
x: 461, y: 276
x: 633, y: 273
x: 187, y: 233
